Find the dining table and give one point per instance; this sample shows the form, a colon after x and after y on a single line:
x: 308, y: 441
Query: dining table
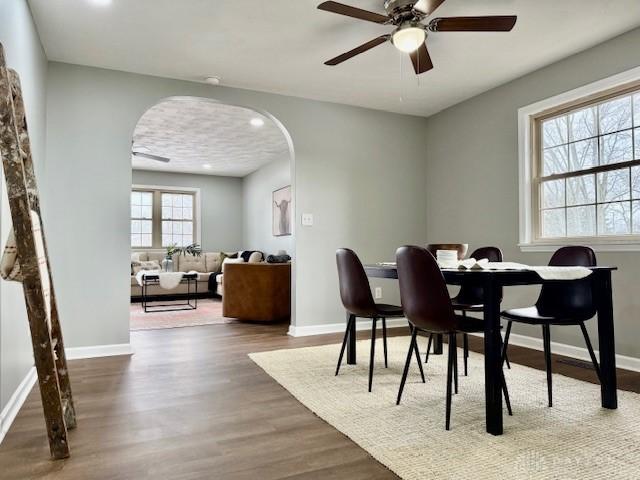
x: 492, y: 283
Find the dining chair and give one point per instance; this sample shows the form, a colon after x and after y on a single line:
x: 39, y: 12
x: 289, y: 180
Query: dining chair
x: 428, y: 308
x: 561, y: 303
x: 355, y: 293
x: 470, y: 298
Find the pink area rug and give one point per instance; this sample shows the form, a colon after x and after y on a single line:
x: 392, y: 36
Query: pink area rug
x: 209, y: 312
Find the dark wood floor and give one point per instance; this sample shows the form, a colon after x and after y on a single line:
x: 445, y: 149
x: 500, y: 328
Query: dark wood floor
x: 190, y: 404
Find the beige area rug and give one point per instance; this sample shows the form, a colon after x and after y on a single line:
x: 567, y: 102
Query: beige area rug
x: 209, y: 312
x: 576, y: 439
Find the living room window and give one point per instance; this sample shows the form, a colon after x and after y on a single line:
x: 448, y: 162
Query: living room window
x: 141, y: 219
x: 161, y: 217
x: 583, y: 170
x: 177, y: 219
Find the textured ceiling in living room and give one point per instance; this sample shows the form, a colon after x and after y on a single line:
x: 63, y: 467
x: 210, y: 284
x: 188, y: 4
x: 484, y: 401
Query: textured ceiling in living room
x: 206, y: 137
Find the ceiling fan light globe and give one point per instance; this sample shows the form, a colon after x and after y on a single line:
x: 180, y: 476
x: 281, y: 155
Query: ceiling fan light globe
x: 408, y: 39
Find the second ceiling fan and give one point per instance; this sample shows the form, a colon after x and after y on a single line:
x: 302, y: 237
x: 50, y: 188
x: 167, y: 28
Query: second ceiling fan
x: 410, y: 33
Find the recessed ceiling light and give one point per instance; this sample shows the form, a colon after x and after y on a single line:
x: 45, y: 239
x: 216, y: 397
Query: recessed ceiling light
x: 101, y: 3
x: 257, y: 122
x: 212, y: 80
x: 206, y: 166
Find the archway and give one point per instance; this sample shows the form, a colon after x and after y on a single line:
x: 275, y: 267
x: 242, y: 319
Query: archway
x: 213, y: 174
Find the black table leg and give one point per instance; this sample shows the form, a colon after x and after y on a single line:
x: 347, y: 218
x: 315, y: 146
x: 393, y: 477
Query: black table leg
x: 608, y: 381
x: 351, y: 344
x: 492, y: 356
x: 437, y: 344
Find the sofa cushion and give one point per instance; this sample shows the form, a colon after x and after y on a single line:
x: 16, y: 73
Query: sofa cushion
x: 186, y: 263
x: 213, y: 262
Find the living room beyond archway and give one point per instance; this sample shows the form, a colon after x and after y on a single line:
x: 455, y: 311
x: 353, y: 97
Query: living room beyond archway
x: 211, y: 216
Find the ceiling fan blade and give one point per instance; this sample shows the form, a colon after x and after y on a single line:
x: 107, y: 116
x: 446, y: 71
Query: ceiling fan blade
x: 421, y: 60
x: 499, y: 23
x: 427, y: 6
x: 150, y: 156
x: 358, y: 50
x: 353, y: 12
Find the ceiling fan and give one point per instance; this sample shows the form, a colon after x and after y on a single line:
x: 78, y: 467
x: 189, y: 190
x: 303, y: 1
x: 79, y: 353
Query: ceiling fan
x: 143, y: 152
x: 410, y: 33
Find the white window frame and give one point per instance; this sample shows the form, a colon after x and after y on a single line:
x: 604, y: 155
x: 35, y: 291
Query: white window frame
x: 527, y: 164
x: 197, y: 238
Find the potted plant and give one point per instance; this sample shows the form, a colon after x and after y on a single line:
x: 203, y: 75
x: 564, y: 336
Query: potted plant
x: 173, y: 249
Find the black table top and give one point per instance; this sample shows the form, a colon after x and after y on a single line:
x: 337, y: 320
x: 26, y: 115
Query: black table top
x: 453, y: 275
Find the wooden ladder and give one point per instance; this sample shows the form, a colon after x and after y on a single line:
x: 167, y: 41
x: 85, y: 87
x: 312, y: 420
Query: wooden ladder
x: 24, y: 203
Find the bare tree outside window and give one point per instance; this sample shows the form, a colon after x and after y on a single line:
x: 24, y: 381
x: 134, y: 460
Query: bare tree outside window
x: 589, y: 170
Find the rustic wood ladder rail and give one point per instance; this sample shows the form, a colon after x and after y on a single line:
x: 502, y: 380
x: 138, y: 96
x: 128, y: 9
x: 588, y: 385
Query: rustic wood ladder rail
x: 24, y: 200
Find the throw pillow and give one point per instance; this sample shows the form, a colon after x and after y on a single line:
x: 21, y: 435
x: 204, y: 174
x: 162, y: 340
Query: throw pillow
x: 246, y: 254
x: 231, y: 260
x: 256, y: 257
x: 151, y: 265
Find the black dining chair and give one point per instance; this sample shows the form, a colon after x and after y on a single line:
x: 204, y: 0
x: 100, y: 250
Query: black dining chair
x: 428, y: 307
x: 470, y: 298
x: 560, y: 303
x: 355, y: 293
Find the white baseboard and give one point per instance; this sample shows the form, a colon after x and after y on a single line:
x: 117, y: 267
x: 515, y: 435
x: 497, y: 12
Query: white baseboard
x: 580, y: 353
x: 9, y: 412
x: 13, y: 406
x: 307, y: 331
x: 77, y: 353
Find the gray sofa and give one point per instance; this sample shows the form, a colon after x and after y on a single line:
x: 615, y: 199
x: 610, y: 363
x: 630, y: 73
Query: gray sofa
x: 205, y: 265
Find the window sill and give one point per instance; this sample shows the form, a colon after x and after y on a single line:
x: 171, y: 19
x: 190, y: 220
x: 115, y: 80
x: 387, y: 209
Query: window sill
x: 598, y: 245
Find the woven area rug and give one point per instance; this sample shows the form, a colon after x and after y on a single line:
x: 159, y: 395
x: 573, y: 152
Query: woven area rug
x: 209, y: 312
x: 576, y: 439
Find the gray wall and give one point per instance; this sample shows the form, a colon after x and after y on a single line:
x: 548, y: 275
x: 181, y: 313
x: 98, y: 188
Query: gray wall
x: 221, y: 201
x: 360, y: 172
x: 24, y: 53
x: 472, y: 159
x: 258, y: 188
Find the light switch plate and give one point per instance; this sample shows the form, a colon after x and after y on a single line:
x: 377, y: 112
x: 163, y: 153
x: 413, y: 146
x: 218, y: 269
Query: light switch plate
x: 378, y: 293
x: 307, y: 219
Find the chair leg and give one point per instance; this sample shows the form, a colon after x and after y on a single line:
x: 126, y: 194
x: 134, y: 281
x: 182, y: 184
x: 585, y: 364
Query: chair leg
x: 352, y: 318
x: 384, y: 341
x: 426, y: 357
x: 505, y: 392
x: 506, y: 344
x: 450, y: 364
x: 373, y: 350
x: 590, y: 348
x: 415, y: 349
x: 546, y: 335
x: 455, y: 362
x: 465, y: 341
x: 406, y: 365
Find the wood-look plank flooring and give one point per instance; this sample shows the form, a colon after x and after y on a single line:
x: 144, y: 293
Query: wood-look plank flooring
x: 190, y: 404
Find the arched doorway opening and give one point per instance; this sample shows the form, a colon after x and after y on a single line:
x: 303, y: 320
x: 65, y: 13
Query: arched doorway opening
x: 219, y: 178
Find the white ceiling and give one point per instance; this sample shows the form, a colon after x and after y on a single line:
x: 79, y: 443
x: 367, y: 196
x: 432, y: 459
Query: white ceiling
x: 195, y: 133
x: 280, y: 45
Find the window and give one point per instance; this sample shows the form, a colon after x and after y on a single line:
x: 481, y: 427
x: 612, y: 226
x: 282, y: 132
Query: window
x: 585, y: 169
x: 161, y: 217
x: 177, y: 219
x: 141, y: 219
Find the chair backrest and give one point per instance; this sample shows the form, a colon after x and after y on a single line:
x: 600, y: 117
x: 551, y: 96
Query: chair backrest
x: 425, y: 299
x: 472, y: 294
x: 355, y: 291
x: 573, y: 299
